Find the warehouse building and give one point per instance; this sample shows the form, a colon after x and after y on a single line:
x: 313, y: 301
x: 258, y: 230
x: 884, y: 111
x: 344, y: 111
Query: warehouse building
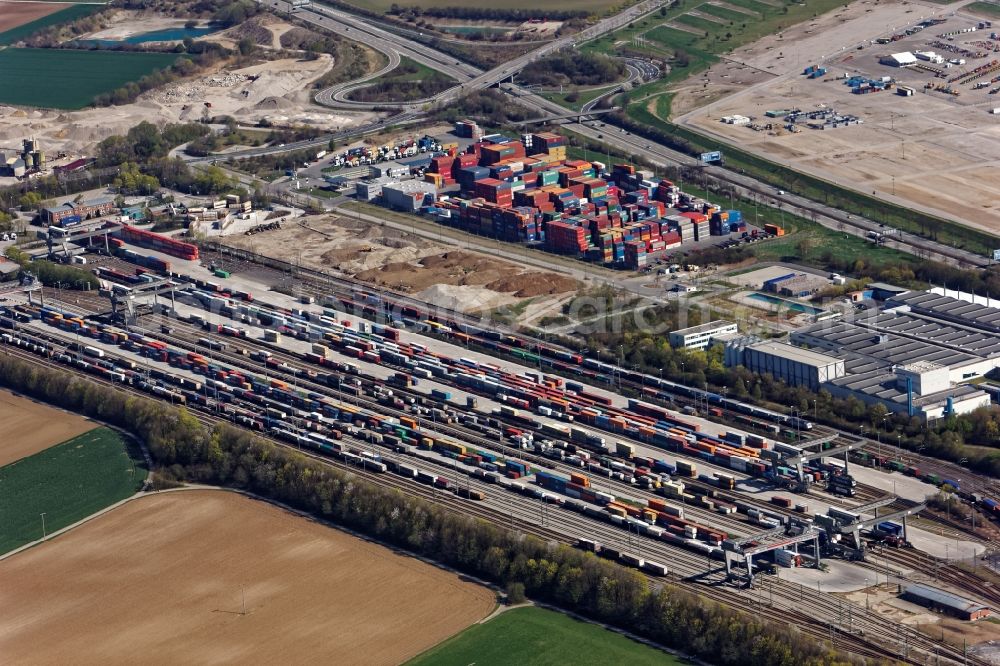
x: 939, y: 600
x: 947, y: 309
x: 408, y: 195
x: 795, y: 284
x: 371, y: 189
x: 897, y: 338
x: 388, y: 170
x: 793, y: 365
x: 909, y: 358
x: 72, y: 212
x: 920, y: 389
x: 699, y: 337
x: 882, y: 291
x: 904, y: 59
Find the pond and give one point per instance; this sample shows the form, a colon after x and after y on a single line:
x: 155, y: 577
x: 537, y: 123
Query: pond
x: 164, y: 35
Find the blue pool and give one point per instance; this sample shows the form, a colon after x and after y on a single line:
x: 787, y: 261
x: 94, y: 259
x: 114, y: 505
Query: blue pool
x: 794, y: 306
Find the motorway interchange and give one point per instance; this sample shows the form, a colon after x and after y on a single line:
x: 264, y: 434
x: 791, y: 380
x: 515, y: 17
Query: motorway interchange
x: 419, y: 407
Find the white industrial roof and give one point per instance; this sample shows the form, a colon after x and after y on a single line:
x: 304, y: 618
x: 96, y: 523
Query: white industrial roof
x: 904, y: 58
x: 796, y: 354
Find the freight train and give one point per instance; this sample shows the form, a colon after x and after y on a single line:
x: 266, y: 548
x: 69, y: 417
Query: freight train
x: 529, y: 391
x: 408, y: 312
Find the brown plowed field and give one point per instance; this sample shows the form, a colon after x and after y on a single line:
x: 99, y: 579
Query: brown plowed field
x: 158, y: 581
x: 30, y: 427
x: 14, y: 14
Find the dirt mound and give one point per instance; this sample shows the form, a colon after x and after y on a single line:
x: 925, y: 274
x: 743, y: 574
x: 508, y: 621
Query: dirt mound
x: 534, y: 284
x: 252, y: 29
x: 270, y: 103
x: 465, y: 269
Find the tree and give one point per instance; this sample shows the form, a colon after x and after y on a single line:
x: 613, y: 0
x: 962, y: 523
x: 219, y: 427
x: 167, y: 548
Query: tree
x: 515, y: 593
x: 877, y: 413
x: 30, y: 201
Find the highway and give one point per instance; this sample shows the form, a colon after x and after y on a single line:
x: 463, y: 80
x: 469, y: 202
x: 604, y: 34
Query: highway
x: 617, y: 138
x: 468, y: 77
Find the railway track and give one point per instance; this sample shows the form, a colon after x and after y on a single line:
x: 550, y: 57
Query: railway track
x: 185, y: 336
x: 676, y: 557
x: 295, y: 363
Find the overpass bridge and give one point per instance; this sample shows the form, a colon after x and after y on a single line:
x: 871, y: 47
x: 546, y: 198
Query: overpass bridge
x: 578, y: 116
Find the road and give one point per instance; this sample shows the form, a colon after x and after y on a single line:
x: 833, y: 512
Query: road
x: 617, y: 138
x: 468, y: 76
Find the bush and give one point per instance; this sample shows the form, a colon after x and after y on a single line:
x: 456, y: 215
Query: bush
x: 573, y: 69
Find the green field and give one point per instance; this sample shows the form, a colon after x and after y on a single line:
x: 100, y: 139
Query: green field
x: 63, y: 16
x: 594, y: 6
x: 67, y: 482
x: 987, y: 9
x: 70, y: 79
x: 702, y: 50
x: 582, y: 96
x: 541, y: 638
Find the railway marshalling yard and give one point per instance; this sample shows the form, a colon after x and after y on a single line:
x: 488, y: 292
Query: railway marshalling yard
x: 933, y: 151
x: 788, y: 589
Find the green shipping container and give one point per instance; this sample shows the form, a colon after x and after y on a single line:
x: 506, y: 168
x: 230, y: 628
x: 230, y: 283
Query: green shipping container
x: 221, y: 274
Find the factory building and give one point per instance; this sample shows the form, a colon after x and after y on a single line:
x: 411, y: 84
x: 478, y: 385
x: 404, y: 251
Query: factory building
x: 920, y: 389
x: 72, y: 212
x: 699, y: 337
x: 408, y: 195
x: 31, y: 158
x: 793, y: 365
x: 916, y: 355
x: 939, y: 600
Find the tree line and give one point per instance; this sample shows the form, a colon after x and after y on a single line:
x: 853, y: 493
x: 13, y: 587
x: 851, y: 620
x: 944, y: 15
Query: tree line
x: 186, y: 450
x: 490, y: 107
x: 52, y: 274
x: 482, y: 13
